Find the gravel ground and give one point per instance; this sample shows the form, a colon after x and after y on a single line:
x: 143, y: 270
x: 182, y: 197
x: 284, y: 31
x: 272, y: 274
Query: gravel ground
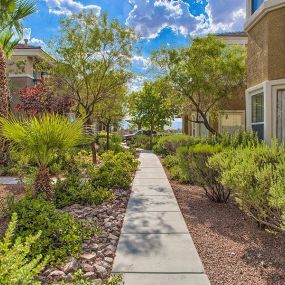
x: 233, y: 249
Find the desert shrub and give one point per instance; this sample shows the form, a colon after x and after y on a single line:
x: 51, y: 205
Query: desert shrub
x: 256, y: 176
x: 74, y: 190
x: 115, y: 170
x: 61, y: 234
x: 239, y: 139
x: 170, y: 161
x: 16, y: 266
x: 169, y: 144
x: 142, y: 141
x: 203, y: 175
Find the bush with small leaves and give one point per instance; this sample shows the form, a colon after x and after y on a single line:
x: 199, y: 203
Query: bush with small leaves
x: 61, y: 234
x: 16, y: 265
x: 115, y: 171
x: 169, y: 144
x: 256, y: 176
x: 75, y: 190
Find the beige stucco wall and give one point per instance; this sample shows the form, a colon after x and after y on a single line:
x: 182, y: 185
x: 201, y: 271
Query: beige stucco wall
x: 20, y: 65
x: 266, y: 48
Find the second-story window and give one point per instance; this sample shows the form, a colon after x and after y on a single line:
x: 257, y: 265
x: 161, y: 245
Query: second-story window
x: 256, y: 4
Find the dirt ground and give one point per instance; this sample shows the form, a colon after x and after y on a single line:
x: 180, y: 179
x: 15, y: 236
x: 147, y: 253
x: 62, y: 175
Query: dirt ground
x: 233, y: 249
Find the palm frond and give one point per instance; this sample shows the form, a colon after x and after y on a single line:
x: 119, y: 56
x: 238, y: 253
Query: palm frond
x: 43, y: 138
x: 8, y: 43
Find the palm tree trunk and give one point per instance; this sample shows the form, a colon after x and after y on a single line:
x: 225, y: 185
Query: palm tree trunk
x: 43, y: 183
x: 4, y: 104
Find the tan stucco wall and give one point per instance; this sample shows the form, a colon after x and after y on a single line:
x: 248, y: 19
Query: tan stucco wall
x: 266, y: 48
x: 20, y: 65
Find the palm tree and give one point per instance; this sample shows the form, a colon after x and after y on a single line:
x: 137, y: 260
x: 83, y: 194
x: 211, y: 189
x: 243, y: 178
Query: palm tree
x: 42, y: 139
x: 12, y: 12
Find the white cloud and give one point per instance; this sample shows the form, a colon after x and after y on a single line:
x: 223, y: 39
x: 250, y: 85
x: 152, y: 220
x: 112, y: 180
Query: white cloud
x: 136, y: 84
x: 150, y: 17
x: 226, y: 15
x: 141, y: 61
x: 68, y: 7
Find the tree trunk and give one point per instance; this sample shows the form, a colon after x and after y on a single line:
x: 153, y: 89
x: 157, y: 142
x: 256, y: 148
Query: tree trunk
x: 42, y: 183
x: 207, y: 124
x: 151, y: 135
x: 108, y: 136
x: 4, y: 105
x: 93, y: 144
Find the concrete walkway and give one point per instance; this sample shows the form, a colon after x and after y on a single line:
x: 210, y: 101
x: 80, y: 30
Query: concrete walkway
x: 155, y: 247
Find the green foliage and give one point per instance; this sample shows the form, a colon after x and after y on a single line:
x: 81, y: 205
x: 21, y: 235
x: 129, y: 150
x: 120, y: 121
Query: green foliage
x: 255, y: 175
x: 203, y: 74
x: 142, y: 141
x: 115, y: 170
x: 239, y: 139
x: 197, y: 163
x: 169, y: 144
x: 79, y: 279
x: 73, y: 190
x: 152, y: 107
x: 16, y: 266
x: 114, y: 143
x: 55, y: 133
x: 61, y: 234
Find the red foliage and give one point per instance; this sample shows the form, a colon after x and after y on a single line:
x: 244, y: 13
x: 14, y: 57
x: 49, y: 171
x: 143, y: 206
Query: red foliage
x: 40, y: 99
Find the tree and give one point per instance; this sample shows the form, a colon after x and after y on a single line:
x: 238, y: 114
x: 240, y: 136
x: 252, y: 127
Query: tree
x: 152, y: 106
x: 111, y: 111
x: 42, y: 139
x: 203, y: 74
x: 92, y: 55
x: 11, y: 14
x: 42, y: 99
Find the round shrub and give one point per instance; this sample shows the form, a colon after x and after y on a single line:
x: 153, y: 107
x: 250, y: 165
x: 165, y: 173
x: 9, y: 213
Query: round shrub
x: 61, y: 234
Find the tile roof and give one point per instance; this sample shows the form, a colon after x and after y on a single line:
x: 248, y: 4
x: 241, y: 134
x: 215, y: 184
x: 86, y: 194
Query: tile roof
x: 24, y: 46
x: 233, y: 34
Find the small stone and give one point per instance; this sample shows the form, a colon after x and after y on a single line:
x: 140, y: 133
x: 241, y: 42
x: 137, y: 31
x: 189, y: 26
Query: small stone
x: 108, y: 253
x: 102, y: 272
x: 89, y: 274
x: 108, y: 259
x: 71, y: 266
x: 113, y: 237
x: 56, y: 275
x: 87, y: 267
x: 88, y: 256
x: 97, y: 281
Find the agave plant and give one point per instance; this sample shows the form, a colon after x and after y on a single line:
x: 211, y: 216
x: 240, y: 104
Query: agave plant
x: 42, y: 139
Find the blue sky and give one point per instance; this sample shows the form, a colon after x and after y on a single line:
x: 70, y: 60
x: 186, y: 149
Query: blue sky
x: 158, y: 22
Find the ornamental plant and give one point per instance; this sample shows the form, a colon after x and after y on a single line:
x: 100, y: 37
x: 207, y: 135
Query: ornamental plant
x: 42, y: 140
x: 16, y: 265
x: 256, y: 176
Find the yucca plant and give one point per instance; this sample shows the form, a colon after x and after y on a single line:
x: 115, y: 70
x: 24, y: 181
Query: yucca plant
x: 42, y: 139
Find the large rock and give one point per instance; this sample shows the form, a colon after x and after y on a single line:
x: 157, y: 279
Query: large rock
x: 101, y: 271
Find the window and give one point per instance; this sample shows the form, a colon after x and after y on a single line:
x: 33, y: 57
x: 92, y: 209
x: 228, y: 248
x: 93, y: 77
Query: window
x: 232, y: 121
x: 198, y: 129
x: 256, y: 4
x: 280, y: 115
x: 257, y: 120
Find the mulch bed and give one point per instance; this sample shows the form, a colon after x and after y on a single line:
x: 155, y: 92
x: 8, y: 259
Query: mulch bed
x: 233, y: 249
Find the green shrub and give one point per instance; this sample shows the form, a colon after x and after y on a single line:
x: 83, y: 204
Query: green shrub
x: 16, y: 266
x: 115, y: 142
x: 115, y: 170
x: 239, y: 139
x: 256, y: 176
x: 73, y: 190
x: 169, y: 144
x: 203, y: 175
x: 61, y: 234
x: 142, y: 141
x: 79, y: 279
